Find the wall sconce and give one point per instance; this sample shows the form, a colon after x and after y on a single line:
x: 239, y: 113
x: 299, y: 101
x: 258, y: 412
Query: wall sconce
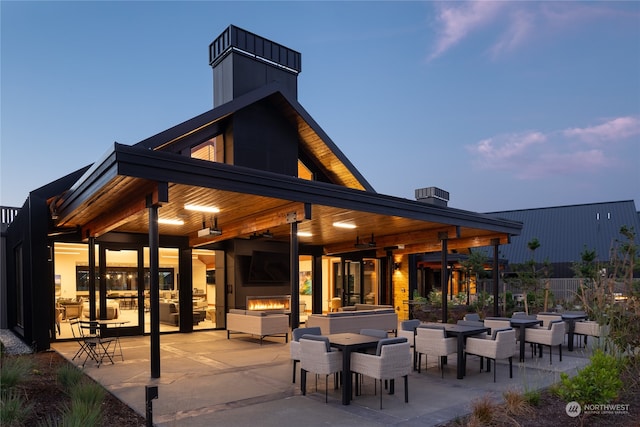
x: 396, y: 266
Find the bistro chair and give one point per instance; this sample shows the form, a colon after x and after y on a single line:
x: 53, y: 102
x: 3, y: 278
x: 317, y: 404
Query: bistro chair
x: 318, y: 357
x: 391, y: 360
x: 295, y: 349
x: 550, y: 336
x: 96, y: 345
x: 501, y: 344
x: 432, y: 341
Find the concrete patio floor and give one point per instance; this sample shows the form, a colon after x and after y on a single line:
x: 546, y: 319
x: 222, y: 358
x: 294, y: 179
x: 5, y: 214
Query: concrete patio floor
x: 208, y: 380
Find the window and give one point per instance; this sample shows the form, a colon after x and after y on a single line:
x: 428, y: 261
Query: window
x: 210, y: 150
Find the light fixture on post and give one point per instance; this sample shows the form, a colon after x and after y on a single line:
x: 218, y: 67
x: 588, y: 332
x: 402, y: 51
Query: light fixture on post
x: 396, y: 266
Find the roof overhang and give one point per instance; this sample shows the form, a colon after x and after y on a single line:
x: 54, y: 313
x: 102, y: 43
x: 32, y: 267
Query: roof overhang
x: 113, y: 195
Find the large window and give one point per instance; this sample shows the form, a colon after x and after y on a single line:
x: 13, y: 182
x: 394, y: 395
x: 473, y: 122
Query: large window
x: 124, y: 278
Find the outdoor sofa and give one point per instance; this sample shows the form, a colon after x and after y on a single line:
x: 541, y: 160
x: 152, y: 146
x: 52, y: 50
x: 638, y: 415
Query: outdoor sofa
x: 259, y: 323
x: 353, y: 320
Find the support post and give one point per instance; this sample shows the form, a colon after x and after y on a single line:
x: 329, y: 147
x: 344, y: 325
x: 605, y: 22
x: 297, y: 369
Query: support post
x: 92, y: 277
x: 444, y: 280
x: 496, y: 276
x: 295, y: 277
x: 154, y: 289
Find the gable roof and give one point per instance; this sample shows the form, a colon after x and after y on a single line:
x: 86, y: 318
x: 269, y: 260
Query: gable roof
x: 565, y: 231
x: 313, y: 140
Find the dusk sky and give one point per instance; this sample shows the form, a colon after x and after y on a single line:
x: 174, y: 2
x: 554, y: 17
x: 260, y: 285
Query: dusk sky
x: 506, y: 105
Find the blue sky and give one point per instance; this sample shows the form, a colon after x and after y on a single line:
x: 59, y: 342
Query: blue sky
x: 506, y: 105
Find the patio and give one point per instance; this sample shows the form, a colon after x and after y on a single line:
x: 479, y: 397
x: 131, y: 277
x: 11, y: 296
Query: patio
x: 207, y: 379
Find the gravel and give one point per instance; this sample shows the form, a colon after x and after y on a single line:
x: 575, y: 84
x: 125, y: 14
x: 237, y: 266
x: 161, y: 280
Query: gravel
x: 13, y: 344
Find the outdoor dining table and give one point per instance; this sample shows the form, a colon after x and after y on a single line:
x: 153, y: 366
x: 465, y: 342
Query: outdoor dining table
x: 349, y: 342
x: 461, y: 332
x: 522, y: 323
x: 570, y: 317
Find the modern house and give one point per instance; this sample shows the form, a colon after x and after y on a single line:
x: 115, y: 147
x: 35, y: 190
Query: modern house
x: 249, y: 204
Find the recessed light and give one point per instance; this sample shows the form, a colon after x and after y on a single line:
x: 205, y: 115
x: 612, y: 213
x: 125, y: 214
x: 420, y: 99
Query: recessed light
x: 349, y: 225
x: 304, y: 234
x: 201, y: 208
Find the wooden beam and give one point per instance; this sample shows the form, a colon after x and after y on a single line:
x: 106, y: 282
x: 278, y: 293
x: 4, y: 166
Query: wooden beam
x: 406, y: 239
x: 114, y: 218
x: 248, y: 225
x: 457, y: 244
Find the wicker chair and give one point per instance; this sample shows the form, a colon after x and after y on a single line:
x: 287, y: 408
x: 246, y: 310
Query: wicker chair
x: 553, y: 335
x: 432, y: 341
x: 501, y: 344
x: 392, y: 360
x: 318, y: 357
x: 295, y: 349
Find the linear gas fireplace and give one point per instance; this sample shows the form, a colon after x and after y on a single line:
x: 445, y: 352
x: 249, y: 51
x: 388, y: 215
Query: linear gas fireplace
x: 273, y: 303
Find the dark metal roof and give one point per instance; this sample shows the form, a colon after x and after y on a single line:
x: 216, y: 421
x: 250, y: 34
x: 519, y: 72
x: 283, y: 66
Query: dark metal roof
x: 564, y: 231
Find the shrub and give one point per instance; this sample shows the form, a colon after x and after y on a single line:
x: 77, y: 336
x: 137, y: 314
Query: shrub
x: 13, y: 370
x: 88, y: 393
x: 68, y: 377
x: 516, y: 403
x: 483, y: 410
x: 13, y: 409
x: 598, y: 382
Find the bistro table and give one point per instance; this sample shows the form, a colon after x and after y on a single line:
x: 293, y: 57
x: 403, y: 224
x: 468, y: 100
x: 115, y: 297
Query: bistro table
x: 349, y: 342
x: 115, y: 325
x: 522, y: 323
x: 461, y: 331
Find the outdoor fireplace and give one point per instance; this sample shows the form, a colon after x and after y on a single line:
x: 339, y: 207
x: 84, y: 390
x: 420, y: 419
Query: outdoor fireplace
x: 273, y: 303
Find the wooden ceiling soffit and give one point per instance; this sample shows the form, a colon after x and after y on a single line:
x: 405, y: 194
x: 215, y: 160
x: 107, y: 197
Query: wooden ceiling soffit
x: 452, y: 244
x: 115, y: 217
x: 263, y: 220
x: 406, y: 239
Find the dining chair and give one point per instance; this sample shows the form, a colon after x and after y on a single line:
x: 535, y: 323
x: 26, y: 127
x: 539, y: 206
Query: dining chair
x: 432, y: 341
x: 392, y: 360
x: 590, y: 328
x: 501, y: 344
x: 550, y: 336
x: 295, y: 349
x: 318, y: 357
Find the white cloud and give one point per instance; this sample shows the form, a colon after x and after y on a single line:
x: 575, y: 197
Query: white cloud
x: 515, y: 23
x: 459, y: 20
x: 612, y: 130
x: 533, y: 154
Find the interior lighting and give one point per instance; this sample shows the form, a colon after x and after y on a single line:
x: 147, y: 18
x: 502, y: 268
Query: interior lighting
x: 348, y: 225
x: 170, y: 221
x: 201, y: 208
x: 304, y: 234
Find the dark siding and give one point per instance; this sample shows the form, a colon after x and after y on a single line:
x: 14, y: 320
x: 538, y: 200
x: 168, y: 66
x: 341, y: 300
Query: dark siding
x: 564, y: 231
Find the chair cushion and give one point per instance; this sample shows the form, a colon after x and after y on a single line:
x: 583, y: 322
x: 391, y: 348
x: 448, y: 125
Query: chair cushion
x: 495, y: 332
x: 237, y: 311
x: 387, y: 341
x: 299, y: 332
x: 318, y: 338
x: 409, y: 325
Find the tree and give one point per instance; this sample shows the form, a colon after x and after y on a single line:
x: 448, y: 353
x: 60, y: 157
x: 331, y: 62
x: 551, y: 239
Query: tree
x: 473, y: 268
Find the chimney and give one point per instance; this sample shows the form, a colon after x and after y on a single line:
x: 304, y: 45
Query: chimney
x: 243, y: 61
x: 432, y: 195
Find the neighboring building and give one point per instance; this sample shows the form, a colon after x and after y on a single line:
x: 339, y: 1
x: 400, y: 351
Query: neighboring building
x: 250, y: 201
x: 564, y: 232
